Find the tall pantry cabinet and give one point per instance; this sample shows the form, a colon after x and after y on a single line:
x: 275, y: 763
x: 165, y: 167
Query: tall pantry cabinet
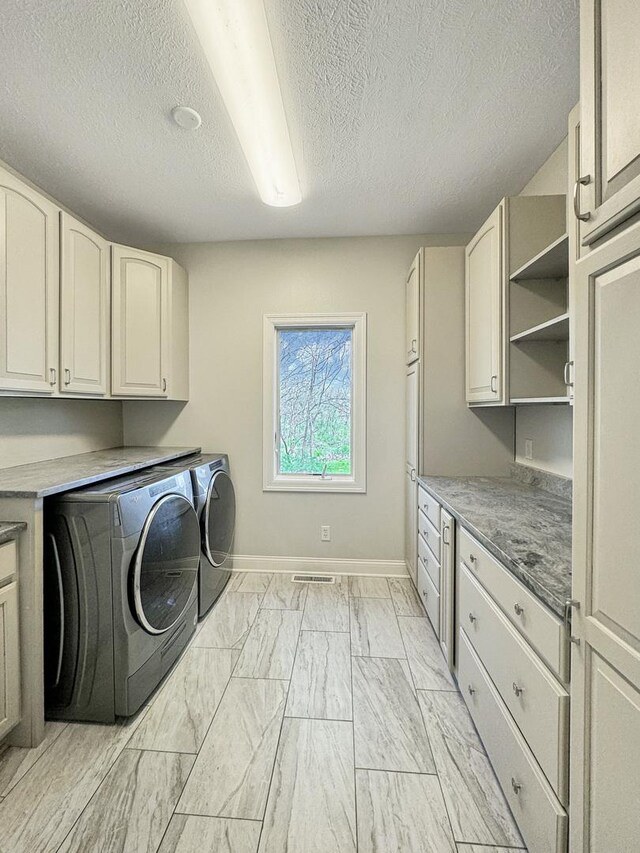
x: 605, y: 610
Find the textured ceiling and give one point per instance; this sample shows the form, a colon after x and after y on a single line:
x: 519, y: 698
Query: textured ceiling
x: 407, y: 116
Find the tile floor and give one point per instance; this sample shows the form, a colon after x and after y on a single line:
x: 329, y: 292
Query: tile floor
x: 301, y: 719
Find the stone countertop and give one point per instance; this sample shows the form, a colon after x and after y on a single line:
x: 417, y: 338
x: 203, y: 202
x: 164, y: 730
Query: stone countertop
x: 41, y: 479
x: 10, y: 530
x: 526, y: 528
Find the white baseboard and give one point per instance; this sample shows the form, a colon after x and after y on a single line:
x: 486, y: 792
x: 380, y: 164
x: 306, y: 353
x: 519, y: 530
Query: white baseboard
x: 320, y: 566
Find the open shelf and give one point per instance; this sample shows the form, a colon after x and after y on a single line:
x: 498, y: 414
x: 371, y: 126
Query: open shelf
x: 556, y: 329
x: 552, y: 262
x: 521, y: 401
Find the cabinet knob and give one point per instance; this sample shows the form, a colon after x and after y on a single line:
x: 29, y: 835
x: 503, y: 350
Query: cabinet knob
x: 471, y: 690
x: 582, y: 181
x: 517, y: 690
x: 517, y: 786
x: 519, y: 609
x: 472, y: 618
x: 472, y: 558
x: 425, y: 593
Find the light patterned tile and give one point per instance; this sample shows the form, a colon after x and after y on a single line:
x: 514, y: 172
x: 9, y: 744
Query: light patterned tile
x: 327, y: 606
x: 311, y: 804
x: 364, y: 587
x: 249, y: 582
x: 374, y: 628
x: 133, y: 806
x: 444, y: 712
x: 184, y: 707
x: 270, y: 648
x: 228, y: 624
x: 388, y: 726
x: 231, y: 775
x: 401, y: 812
x: 321, y: 679
x: 428, y: 666
x: 41, y: 809
x: 482, y: 848
x: 405, y: 598
x: 15, y: 761
x: 192, y: 834
x: 284, y: 594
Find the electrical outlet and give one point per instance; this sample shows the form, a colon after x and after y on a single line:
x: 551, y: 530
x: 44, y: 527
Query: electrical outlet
x: 325, y: 533
x: 528, y: 448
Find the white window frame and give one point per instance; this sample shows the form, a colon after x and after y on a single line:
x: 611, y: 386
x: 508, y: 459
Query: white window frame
x: 276, y: 482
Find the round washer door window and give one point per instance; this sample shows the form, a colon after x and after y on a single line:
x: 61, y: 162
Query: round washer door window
x: 165, y: 567
x: 219, y: 518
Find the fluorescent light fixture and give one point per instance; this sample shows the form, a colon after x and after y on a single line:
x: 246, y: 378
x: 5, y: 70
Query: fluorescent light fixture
x: 235, y: 37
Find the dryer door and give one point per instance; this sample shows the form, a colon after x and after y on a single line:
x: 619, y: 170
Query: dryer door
x: 219, y: 518
x: 165, y: 566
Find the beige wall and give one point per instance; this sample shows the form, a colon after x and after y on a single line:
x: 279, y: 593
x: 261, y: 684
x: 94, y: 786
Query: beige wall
x: 549, y: 427
x: 231, y: 286
x: 35, y: 429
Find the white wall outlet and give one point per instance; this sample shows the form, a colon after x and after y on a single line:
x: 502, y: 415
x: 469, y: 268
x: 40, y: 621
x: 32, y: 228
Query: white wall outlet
x: 528, y: 448
x: 325, y: 533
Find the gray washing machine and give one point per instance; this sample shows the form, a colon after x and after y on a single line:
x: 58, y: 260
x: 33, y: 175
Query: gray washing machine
x: 215, y: 504
x: 120, y: 592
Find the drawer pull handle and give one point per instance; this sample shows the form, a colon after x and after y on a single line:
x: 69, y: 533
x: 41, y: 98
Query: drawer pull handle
x: 519, y: 609
x: 472, y: 618
x: 583, y: 180
x: 517, y: 786
x: 425, y: 593
x: 471, y: 690
x: 425, y: 533
x: 517, y: 690
x: 472, y: 558
x: 445, y: 540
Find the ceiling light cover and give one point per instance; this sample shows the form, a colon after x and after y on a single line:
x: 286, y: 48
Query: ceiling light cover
x: 235, y: 37
x: 186, y: 118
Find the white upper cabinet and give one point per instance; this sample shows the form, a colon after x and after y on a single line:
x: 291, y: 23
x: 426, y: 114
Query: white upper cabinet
x: 412, y: 305
x: 484, y: 312
x: 150, y: 326
x: 29, y: 287
x: 84, y: 314
x: 609, y: 191
x: 140, y: 323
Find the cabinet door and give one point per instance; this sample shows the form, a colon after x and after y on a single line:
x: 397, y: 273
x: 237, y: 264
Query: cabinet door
x: 412, y: 308
x: 84, y: 309
x: 411, y: 523
x: 140, y: 286
x: 483, y: 276
x: 610, y: 105
x: 9, y: 659
x: 29, y: 285
x: 447, y: 568
x: 412, y: 450
x: 605, y: 696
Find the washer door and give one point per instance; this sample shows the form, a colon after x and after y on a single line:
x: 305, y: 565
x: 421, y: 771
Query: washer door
x: 165, y: 566
x: 219, y: 518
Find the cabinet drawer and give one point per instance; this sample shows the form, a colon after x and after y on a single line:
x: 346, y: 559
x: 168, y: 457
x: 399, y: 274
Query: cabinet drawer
x: 537, y: 623
x: 429, y: 533
x: 429, y: 506
x: 429, y: 596
x: 8, y: 560
x: 536, y: 700
x: 9, y: 659
x: 541, y: 819
x: 430, y: 563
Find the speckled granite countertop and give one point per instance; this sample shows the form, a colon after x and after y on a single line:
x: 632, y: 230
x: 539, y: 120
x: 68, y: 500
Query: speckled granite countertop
x: 10, y: 529
x: 40, y: 479
x: 526, y: 528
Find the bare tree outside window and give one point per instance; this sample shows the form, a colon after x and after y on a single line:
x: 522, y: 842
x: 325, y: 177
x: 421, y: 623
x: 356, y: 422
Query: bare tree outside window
x: 315, y: 399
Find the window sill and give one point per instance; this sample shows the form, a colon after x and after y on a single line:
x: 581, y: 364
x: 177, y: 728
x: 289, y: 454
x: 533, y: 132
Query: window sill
x: 314, y: 484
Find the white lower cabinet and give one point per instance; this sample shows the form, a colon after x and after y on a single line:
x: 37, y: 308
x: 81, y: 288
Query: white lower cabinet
x: 9, y: 640
x: 517, y: 701
x: 429, y: 596
x: 542, y: 820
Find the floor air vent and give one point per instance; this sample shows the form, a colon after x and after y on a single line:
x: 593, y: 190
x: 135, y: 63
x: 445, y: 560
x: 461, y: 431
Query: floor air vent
x: 313, y: 579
